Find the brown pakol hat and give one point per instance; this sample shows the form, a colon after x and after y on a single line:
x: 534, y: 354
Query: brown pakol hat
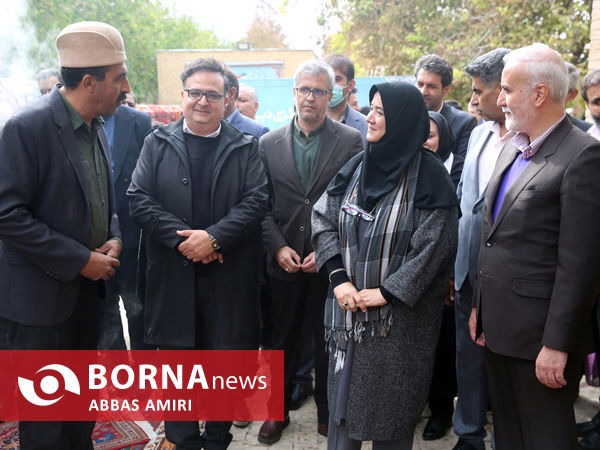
x: 90, y: 44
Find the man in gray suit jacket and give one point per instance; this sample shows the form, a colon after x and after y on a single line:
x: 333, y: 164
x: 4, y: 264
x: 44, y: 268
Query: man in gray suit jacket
x: 485, y: 145
x: 300, y: 160
x: 538, y: 263
x: 339, y: 108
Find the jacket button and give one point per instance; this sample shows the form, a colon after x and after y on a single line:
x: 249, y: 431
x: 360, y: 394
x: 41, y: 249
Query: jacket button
x: 184, y: 220
x: 488, y: 244
x: 186, y: 262
x: 307, y: 201
x: 301, y: 228
x: 154, y: 219
x: 184, y: 181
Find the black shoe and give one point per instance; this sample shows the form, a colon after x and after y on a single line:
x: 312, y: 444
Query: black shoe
x: 299, y: 393
x: 462, y: 445
x: 591, y: 441
x: 323, y: 429
x: 436, y: 428
x: 585, y: 428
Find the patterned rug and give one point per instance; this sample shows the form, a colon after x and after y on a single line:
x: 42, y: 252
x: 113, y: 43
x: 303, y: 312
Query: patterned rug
x: 106, y: 435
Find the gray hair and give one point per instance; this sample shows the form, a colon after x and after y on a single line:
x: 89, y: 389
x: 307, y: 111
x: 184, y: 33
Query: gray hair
x: 488, y: 67
x: 542, y: 65
x: 436, y: 64
x: 574, y: 77
x: 251, y: 90
x: 47, y: 73
x: 315, y: 67
x: 590, y: 80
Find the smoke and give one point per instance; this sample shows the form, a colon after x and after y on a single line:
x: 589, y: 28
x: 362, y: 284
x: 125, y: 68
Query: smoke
x: 16, y: 41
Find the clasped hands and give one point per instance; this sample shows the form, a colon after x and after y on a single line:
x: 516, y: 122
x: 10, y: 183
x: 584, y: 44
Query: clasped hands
x: 289, y: 260
x: 103, y: 261
x: 349, y: 297
x: 197, y: 247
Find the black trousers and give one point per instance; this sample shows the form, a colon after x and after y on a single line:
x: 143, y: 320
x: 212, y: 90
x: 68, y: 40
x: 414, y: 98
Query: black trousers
x: 288, y: 304
x: 527, y: 414
x: 443, y: 383
x: 124, y: 284
x: 186, y: 434
x: 78, y: 332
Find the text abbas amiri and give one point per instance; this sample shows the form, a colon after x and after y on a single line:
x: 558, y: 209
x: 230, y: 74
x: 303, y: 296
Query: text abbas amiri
x: 147, y: 378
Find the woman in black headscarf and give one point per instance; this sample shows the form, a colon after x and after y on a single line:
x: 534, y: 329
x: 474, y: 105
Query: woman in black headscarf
x: 441, y: 141
x: 385, y: 230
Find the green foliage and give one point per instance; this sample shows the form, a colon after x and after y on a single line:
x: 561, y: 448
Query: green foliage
x: 388, y: 36
x: 146, y: 26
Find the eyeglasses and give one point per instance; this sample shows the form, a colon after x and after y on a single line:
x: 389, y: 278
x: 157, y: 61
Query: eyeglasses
x: 305, y: 92
x: 196, y: 95
x: 353, y: 210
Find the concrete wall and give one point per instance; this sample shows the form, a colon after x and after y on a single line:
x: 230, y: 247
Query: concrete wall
x: 170, y: 63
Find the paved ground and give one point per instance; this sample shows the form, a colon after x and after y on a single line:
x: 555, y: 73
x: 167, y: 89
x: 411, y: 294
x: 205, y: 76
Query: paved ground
x: 302, y: 431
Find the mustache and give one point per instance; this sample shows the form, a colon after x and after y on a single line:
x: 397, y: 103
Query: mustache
x: 121, y: 97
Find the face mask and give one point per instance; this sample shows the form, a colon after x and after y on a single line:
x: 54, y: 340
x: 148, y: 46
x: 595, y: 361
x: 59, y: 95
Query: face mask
x: 338, y: 96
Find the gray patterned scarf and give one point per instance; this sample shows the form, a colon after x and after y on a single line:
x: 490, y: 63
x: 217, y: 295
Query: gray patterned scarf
x: 382, y: 251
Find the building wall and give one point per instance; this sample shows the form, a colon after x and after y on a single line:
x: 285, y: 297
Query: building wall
x: 170, y: 64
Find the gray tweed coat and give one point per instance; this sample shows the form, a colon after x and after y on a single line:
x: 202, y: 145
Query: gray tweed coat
x: 391, y: 375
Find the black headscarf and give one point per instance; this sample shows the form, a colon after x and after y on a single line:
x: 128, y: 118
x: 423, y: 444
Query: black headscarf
x: 406, y: 129
x: 447, y: 138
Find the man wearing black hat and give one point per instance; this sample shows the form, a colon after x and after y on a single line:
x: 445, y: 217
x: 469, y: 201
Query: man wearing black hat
x: 59, y: 235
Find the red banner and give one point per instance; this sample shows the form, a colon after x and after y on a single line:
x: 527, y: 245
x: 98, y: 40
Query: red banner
x: 141, y: 385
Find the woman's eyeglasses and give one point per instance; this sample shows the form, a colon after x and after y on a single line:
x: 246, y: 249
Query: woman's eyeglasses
x: 353, y: 210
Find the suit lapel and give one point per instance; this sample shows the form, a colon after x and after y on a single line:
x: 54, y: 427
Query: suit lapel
x: 287, y: 162
x: 120, y: 140
x: 66, y: 136
x: 485, y: 137
x: 329, y: 141
x: 537, y: 163
x: 506, y: 158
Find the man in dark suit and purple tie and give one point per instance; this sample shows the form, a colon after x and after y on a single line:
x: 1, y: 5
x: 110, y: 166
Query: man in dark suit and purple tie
x: 538, y: 264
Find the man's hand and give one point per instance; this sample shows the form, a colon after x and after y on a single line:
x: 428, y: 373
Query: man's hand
x: 309, y: 265
x: 450, y: 294
x: 111, y: 248
x: 473, y: 329
x: 215, y: 255
x: 347, y: 296
x: 288, y: 259
x: 550, y: 366
x: 197, y: 246
x: 371, y: 297
x: 99, y: 266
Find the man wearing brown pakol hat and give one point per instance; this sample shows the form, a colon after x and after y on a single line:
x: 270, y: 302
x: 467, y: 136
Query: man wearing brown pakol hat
x: 59, y: 235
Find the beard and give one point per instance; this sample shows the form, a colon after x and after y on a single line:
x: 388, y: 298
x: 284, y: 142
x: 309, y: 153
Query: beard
x: 596, y: 120
x: 520, y: 121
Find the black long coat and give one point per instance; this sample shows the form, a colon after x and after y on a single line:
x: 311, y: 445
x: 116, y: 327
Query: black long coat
x: 160, y: 198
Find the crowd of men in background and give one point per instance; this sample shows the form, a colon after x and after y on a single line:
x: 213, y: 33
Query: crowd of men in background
x: 168, y: 217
